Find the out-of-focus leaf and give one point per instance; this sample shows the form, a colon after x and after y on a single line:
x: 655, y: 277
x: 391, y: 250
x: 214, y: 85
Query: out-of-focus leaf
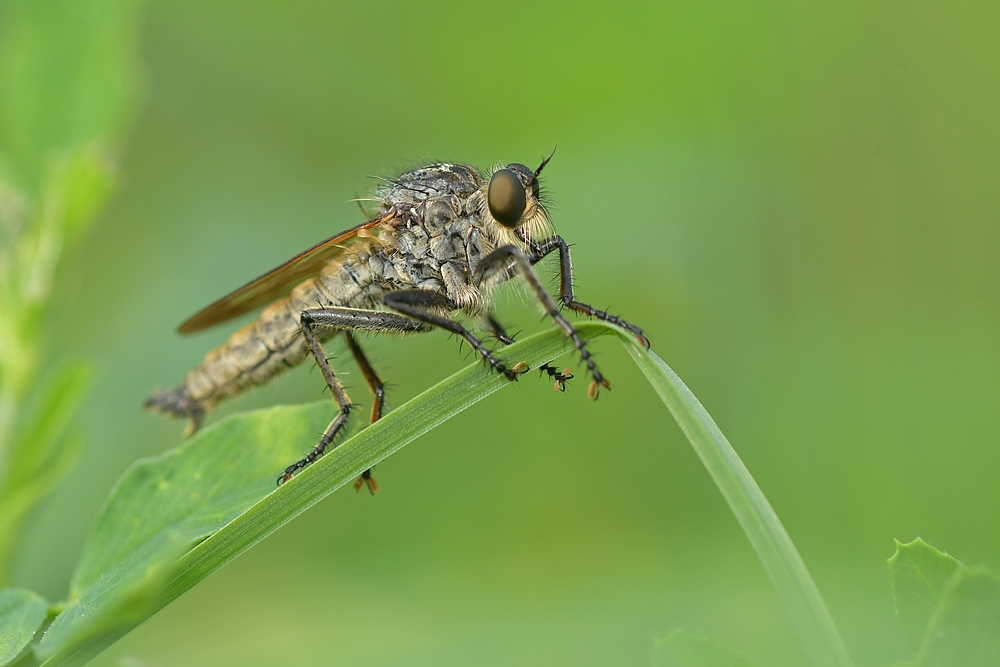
x: 682, y: 649
x: 220, y: 485
x: 919, y: 574
x: 77, y: 184
x: 965, y: 630
x: 21, y: 614
x: 40, y: 437
x: 43, y: 455
x: 68, y: 76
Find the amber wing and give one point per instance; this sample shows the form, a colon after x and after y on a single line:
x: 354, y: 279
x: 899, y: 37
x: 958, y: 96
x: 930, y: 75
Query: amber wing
x: 277, y: 282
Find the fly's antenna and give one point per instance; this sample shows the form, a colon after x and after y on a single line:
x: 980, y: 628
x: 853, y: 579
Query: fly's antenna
x: 545, y: 162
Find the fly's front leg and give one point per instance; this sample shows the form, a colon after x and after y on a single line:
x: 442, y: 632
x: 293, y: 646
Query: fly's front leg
x: 378, y: 392
x: 499, y: 261
x: 427, y: 307
x: 543, y: 248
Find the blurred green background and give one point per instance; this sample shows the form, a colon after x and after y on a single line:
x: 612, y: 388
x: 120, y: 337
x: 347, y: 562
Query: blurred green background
x: 797, y: 201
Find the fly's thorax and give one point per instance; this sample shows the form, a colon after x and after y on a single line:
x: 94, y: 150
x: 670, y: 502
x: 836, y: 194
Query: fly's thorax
x: 444, y: 227
x: 436, y: 182
x: 431, y: 182
x: 436, y: 246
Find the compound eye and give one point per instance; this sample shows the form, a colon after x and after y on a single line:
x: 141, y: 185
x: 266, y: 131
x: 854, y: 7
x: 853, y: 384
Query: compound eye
x: 506, y: 198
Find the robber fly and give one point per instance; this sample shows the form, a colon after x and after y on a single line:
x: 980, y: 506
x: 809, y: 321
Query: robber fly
x: 445, y: 236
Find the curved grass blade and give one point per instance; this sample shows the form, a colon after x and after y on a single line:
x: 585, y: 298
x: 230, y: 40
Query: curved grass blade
x: 798, y: 592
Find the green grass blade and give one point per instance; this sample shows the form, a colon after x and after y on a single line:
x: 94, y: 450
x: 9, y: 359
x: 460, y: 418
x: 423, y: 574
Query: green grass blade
x: 774, y: 547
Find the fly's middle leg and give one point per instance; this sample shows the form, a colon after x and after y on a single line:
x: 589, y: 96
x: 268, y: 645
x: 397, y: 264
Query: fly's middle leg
x: 499, y: 261
x: 560, y: 377
x: 378, y: 401
x: 498, y: 331
x: 430, y: 308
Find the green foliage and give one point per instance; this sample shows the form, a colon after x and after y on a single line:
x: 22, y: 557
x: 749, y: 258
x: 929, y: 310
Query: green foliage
x: 682, y: 649
x: 966, y: 629
x: 950, y: 611
x: 44, y: 455
x: 920, y: 574
x: 163, y: 506
x: 21, y: 614
x: 67, y: 84
x: 214, y: 494
x: 217, y: 491
x: 68, y: 79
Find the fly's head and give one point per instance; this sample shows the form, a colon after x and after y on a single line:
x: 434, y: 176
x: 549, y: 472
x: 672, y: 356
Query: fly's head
x: 511, y: 205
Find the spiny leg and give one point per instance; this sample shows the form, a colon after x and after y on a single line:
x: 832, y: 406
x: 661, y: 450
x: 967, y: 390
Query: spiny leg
x: 306, y: 324
x: 422, y: 305
x: 540, y: 249
x: 499, y: 331
x: 378, y: 392
x: 346, y: 319
x: 499, y: 261
x: 560, y: 377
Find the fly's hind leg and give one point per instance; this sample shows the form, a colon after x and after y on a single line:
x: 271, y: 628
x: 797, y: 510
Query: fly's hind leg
x: 347, y: 320
x: 431, y: 308
x: 378, y: 400
x: 307, y: 323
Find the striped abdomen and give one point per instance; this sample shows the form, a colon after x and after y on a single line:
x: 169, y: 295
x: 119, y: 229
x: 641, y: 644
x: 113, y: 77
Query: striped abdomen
x: 269, y: 345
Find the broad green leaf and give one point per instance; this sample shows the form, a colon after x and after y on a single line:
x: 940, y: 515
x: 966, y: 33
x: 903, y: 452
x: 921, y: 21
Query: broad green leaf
x: 163, y: 506
x: 965, y: 630
x: 919, y: 575
x: 682, y: 649
x: 21, y: 614
x: 791, y: 579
